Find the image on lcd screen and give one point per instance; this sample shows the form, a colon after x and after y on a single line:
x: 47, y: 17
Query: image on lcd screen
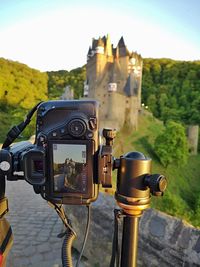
x: 70, y: 169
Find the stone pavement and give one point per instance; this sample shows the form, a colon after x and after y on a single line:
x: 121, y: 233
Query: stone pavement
x: 35, y: 227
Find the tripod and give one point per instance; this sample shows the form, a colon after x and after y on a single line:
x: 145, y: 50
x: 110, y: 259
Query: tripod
x: 134, y: 188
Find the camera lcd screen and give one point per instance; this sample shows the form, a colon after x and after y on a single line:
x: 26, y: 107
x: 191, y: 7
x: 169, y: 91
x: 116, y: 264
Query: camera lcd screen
x: 70, y: 168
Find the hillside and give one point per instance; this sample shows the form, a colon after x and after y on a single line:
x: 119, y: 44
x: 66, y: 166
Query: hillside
x: 182, y: 197
x: 20, y: 89
x: 21, y: 85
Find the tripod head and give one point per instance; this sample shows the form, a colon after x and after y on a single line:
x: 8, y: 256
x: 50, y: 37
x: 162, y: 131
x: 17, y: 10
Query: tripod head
x: 135, y: 184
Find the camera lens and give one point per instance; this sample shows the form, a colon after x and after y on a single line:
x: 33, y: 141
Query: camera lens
x: 76, y: 127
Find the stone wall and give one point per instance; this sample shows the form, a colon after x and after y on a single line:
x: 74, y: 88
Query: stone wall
x: 167, y: 241
x: 193, y: 138
x: 163, y: 240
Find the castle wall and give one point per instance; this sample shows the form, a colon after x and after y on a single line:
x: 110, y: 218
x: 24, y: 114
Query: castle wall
x: 123, y: 61
x: 132, y: 111
x: 101, y: 59
x: 116, y: 106
x: 91, y: 76
x: 117, y: 109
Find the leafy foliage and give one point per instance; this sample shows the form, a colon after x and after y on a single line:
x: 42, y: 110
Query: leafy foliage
x: 171, y: 89
x: 20, y: 89
x: 58, y: 80
x: 171, y: 145
x: 21, y: 86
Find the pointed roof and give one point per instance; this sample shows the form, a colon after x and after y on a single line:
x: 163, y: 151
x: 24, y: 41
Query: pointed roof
x: 89, y: 51
x: 121, y: 42
x: 94, y: 43
x: 123, y: 51
x: 104, y: 39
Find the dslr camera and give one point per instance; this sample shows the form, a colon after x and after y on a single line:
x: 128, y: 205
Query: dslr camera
x: 67, y: 163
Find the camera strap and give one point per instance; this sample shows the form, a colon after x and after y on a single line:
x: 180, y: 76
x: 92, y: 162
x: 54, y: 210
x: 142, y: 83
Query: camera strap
x: 16, y: 130
x: 6, y: 236
x: 61, y: 213
x: 3, y: 207
x: 70, y: 235
x: 118, y: 214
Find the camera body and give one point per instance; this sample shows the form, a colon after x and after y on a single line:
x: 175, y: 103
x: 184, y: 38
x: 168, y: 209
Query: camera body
x: 62, y: 165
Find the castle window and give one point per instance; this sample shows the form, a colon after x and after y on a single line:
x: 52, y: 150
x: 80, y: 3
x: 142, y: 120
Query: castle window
x: 112, y: 87
x: 132, y: 61
x: 99, y: 50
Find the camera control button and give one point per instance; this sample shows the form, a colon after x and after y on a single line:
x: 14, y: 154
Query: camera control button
x: 4, y: 165
x: 54, y: 134
x: 90, y: 135
x: 92, y: 123
x: 62, y: 130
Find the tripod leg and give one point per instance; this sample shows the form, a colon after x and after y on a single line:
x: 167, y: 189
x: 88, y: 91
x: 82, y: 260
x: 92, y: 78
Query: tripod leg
x: 129, y: 241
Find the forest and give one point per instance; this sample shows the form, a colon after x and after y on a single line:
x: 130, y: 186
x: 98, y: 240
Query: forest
x: 170, y: 89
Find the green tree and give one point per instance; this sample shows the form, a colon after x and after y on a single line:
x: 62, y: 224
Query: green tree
x: 152, y: 103
x: 171, y: 145
x: 175, y: 85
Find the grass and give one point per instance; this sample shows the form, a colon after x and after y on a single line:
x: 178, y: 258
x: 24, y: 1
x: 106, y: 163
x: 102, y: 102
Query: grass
x: 182, y: 197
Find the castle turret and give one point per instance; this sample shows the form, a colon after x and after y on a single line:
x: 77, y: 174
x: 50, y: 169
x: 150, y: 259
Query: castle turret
x: 108, y: 51
x: 123, y: 55
x: 89, y: 54
x: 99, y: 49
x: 123, y: 51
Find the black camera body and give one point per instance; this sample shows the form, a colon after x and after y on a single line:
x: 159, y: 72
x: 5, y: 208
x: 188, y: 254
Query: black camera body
x: 62, y: 165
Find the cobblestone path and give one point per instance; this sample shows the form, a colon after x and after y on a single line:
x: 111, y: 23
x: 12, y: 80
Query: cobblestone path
x: 35, y: 227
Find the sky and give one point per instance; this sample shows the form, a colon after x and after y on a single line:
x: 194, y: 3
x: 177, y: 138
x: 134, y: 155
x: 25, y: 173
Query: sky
x: 56, y: 34
x: 63, y: 151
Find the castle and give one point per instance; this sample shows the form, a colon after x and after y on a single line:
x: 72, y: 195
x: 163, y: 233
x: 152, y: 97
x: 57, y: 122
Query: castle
x: 114, y: 79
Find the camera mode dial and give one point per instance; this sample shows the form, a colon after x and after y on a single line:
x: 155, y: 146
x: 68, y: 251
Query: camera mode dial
x: 76, y: 127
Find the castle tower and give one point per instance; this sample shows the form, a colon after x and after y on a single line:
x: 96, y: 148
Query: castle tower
x: 193, y: 136
x: 123, y: 56
x: 108, y: 49
x: 114, y: 79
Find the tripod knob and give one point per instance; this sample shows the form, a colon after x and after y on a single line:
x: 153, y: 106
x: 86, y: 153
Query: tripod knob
x: 157, y: 184
x: 109, y: 135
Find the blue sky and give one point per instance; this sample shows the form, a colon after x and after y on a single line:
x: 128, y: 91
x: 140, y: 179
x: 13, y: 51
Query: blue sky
x: 53, y: 35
